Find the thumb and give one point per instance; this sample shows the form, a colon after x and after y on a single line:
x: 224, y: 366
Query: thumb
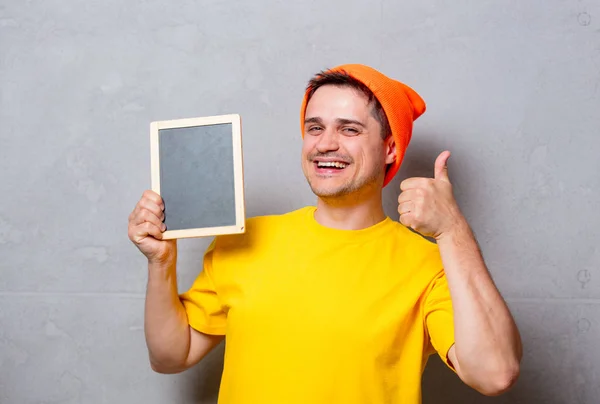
x: 441, y: 166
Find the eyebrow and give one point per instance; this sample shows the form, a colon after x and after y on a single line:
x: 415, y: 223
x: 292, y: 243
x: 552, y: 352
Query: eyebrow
x: 342, y: 121
x: 339, y: 121
x: 313, y: 120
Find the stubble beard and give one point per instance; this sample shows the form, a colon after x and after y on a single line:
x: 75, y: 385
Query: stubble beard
x: 350, y: 190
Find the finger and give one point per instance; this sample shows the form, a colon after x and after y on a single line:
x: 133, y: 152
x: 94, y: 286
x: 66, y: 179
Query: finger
x: 406, y: 207
x: 147, y: 229
x: 150, y: 201
x: 406, y: 196
x: 154, y: 197
x: 406, y: 219
x: 441, y: 167
x: 134, y: 212
x: 415, y: 182
x: 152, y: 206
x: 147, y: 216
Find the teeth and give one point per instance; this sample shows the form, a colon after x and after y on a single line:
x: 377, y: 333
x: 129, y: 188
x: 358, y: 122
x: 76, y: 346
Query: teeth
x: 331, y: 164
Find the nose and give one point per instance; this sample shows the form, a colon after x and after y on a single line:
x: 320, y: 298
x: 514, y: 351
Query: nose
x: 328, y: 141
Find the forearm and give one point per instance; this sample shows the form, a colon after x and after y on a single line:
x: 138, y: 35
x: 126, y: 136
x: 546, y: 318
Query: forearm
x: 166, y: 325
x: 487, y: 341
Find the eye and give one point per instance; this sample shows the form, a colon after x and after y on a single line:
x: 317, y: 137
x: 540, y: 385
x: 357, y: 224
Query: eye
x: 350, y: 130
x: 314, y: 130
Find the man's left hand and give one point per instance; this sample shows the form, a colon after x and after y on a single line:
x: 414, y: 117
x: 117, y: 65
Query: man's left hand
x: 427, y: 205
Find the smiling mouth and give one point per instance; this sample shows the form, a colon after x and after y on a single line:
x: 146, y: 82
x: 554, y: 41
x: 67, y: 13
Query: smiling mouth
x: 336, y: 165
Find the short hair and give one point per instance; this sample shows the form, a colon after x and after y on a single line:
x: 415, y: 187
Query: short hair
x: 343, y: 79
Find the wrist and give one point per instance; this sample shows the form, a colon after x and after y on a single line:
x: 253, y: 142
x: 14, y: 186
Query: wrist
x: 458, y: 227
x: 162, y: 264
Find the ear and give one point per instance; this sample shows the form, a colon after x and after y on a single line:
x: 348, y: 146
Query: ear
x: 390, y: 150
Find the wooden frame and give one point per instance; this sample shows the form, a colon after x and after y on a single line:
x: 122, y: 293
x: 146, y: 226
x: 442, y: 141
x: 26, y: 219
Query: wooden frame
x: 235, y: 121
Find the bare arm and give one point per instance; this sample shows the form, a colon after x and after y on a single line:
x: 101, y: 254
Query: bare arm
x: 173, y: 346
x: 487, y: 348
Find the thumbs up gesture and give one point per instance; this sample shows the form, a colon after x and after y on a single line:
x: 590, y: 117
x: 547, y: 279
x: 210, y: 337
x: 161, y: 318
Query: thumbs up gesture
x: 427, y: 205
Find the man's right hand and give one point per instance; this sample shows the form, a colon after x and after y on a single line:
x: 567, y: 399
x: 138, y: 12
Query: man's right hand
x: 172, y: 344
x: 146, y: 228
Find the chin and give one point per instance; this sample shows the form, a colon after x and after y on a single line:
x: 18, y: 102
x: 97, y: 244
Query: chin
x: 329, y: 193
x: 329, y: 190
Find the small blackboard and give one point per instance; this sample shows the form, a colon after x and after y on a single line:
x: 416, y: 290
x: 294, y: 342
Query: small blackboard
x: 197, y: 170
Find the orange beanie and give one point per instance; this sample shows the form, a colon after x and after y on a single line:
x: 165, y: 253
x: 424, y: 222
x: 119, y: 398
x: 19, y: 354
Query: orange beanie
x: 402, y: 105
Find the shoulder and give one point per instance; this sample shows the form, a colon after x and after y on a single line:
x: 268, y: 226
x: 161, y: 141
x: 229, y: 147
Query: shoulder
x: 261, y: 228
x: 256, y: 223
x: 421, y: 252
x: 413, y: 239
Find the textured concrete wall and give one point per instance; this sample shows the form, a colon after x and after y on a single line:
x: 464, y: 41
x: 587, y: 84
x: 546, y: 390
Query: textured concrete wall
x: 513, y: 89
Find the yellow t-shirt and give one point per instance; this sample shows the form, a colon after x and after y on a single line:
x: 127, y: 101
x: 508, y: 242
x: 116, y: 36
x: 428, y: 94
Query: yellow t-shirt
x: 318, y: 315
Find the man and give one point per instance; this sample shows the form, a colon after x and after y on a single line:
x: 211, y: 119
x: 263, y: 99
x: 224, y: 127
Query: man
x: 337, y: 303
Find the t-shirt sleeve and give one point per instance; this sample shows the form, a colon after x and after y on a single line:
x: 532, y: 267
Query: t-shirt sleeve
x: 204, y: 310
x: 439, y: 317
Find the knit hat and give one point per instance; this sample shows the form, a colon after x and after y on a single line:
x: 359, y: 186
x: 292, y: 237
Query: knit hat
x: 402, y: 106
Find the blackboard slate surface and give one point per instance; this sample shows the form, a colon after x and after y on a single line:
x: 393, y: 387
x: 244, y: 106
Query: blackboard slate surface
x: 197, y: 176
x: 197, y: 170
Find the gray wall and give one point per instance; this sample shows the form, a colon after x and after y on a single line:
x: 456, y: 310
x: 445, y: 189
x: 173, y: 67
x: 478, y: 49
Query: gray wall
x: 513, y: 90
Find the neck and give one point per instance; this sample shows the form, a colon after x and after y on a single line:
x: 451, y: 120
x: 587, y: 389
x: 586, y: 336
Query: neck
x: 350, y: 213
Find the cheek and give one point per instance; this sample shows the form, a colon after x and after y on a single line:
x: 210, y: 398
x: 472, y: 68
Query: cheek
x: 307, y: 148
x: 373, y: 156
x: 308, y: 144
x: 360, y: 153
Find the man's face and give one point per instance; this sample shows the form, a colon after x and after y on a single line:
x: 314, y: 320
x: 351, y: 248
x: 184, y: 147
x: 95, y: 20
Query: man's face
x: 343, y: 151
